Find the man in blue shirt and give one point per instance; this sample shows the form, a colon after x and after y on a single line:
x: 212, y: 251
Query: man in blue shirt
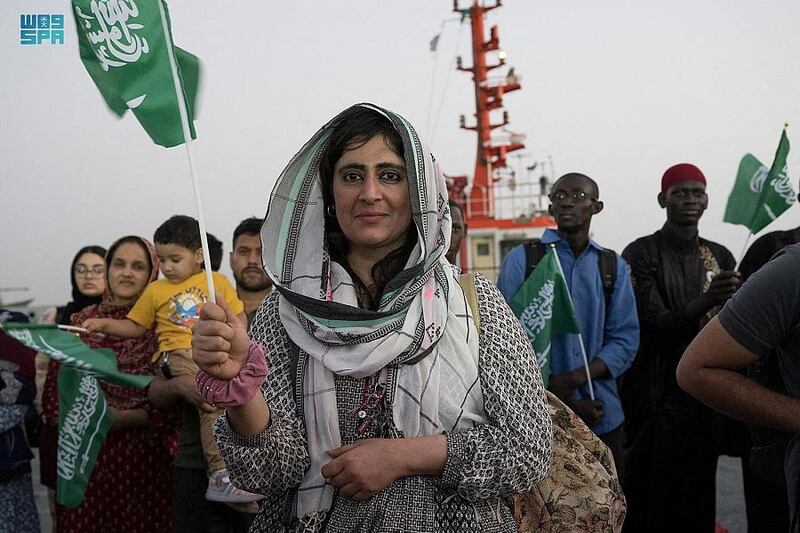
x: 610, y: 331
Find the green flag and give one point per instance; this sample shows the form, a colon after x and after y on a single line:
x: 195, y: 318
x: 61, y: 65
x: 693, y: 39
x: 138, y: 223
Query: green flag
x: 743, y: 200
x: 760, y: 195
x: 126, y: 46
x: 83, y: 417
x: 83, y: 422
x: 544, y: 308
x: 67, y: 348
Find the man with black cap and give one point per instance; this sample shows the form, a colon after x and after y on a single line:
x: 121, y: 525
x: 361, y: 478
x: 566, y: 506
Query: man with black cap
x: 680, y: 280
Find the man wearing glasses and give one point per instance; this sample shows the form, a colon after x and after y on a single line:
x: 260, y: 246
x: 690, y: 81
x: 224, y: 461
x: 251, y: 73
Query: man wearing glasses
x: 604, y: 306
x: 681, y: 280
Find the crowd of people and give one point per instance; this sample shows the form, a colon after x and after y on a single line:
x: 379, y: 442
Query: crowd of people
x: 377, y: 388
x: 152, y: 473
x: 666, y: 287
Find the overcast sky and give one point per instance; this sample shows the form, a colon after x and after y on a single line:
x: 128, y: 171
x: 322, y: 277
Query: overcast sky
x: 617, y: 90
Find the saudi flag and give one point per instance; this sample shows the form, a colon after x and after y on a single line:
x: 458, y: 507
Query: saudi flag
x: 126, y: 46
x: 544, y: 308
x: 760, y: 194
x: 83, y: 415
x: 83, y: 422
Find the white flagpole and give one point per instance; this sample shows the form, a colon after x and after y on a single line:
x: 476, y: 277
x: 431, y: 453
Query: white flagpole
x: 744, y: 249
x: 586, y: 365
x: 580, y: 335
x: 73, y: 329
x: 187, y: 139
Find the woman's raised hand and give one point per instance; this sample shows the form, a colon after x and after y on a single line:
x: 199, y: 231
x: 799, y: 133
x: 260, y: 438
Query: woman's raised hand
x: 219, y: 341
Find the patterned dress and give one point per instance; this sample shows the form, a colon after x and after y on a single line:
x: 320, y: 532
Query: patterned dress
x: 485, y: 464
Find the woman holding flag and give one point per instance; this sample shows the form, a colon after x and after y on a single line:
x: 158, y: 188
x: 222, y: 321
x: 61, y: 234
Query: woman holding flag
x: 388, y: 406
x: 130, y: 488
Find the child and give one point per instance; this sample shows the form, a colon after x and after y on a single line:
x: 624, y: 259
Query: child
x: 172, y: 305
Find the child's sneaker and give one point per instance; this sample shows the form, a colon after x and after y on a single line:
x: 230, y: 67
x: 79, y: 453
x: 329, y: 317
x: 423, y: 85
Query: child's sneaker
x: 220, y: 489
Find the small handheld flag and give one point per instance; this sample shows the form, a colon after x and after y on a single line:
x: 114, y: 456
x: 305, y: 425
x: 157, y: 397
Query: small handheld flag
x: 544, y: 308
x: 83, y: 415
x: 760, y: 195
x: 128, y: 53
x: 127, y: 48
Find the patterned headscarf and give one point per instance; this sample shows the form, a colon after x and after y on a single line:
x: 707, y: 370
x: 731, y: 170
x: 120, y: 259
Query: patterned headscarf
x: 150, y: 252
x: 421, y: 340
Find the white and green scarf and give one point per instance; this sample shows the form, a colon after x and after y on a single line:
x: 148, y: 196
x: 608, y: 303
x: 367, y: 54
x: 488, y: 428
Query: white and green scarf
x: 421, y: 340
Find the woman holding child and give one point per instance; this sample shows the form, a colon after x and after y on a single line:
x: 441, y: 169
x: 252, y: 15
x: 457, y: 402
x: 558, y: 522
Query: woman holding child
x: 169, y: 308
x: 388, y: 406
x: 131, y: 485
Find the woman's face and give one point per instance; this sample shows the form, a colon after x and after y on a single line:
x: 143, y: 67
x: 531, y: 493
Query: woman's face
x: 370, y: 193
x: 89, y: 274
x: 128, y: 273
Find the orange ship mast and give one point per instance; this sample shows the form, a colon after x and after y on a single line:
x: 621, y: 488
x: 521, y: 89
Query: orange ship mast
x: 488, y: 98
x: 491, y: 232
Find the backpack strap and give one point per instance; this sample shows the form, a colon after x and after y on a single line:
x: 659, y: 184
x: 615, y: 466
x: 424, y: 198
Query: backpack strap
x: 607, y: 264
x: 534, y: 251
x: 467, y: 282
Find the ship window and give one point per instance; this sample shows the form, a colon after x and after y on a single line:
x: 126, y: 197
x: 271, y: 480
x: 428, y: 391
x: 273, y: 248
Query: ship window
x: 482, y: 248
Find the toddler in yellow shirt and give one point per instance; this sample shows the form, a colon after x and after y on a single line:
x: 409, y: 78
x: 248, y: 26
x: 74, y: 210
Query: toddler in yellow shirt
x: 172, y: 307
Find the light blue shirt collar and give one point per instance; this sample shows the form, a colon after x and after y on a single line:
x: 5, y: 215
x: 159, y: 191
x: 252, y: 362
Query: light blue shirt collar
x: 551, y: 236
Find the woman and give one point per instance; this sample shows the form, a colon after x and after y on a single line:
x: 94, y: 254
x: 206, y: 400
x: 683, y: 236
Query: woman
x: 88, y: 284
x: 130, y: 488
x: 384, y: 408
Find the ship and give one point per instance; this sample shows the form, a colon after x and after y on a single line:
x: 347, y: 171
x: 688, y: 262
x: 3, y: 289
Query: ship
x: 503, y: 206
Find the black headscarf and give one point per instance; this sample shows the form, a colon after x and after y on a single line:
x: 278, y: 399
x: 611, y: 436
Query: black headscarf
x: 79, y: 300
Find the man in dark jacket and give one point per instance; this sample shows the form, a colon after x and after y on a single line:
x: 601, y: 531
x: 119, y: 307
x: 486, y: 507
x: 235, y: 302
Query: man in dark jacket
x: 680, y: 281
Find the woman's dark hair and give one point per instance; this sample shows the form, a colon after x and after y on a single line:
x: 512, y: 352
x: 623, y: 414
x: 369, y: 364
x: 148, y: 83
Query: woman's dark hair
x: 79, y: 300
x: 132, y: 239
x: 351, y: 132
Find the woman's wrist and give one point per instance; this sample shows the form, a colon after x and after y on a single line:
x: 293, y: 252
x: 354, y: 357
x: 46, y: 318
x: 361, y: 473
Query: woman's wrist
x: 418, y: 456
x: 250, y: 418
x: 240, y: 389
